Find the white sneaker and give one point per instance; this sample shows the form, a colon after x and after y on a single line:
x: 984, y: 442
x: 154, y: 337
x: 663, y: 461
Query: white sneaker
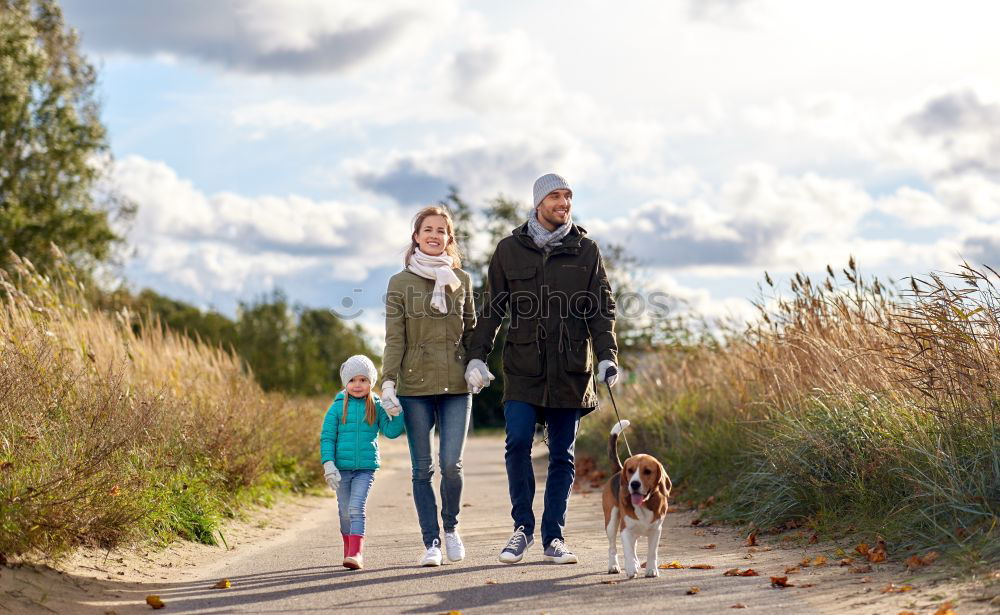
x: 454, y: 547
x: 433, y: 555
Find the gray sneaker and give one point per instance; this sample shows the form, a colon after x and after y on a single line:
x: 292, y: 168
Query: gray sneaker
x: 558, y: 553
x: 516, y: 546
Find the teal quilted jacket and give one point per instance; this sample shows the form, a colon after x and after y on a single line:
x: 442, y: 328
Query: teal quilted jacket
x: 354, y: 445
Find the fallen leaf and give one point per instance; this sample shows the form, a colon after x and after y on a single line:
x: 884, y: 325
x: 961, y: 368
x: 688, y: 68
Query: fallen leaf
x: 840, y: 553
x: 860, y: 569
x: 702, y: 566
x: 699, y: 532
x: 6, y: 465
x: 735, y: 572
x: 748, y: 556
x: 806, y: 562
x: 780, y: 582
x: 673, y: 564
x: 862, y: 549
x: 866, y: 579
x: 813, y: 539
x: 732, y: 572
x: 738, y: 605
x: 710, y: 545
x: 916, y: 561
x: 892, y: 588
x: 609, y: 582
x: 693, y: 590
x: 695, y: 521
x: 491, y: 581
x: 945, y: 609
x: 907, y: 613
x: 879, y: 553
x: 155, y: 602
x: 847, y: 561
x: 804, y: 585
x: 791, y: 569
x: 819, y: 561
x: 223, y: 584
x: 114, y: 491
x: 752, y: 539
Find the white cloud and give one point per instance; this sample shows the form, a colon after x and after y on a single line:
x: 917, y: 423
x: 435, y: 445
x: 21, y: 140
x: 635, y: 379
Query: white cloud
x: 230, y: 242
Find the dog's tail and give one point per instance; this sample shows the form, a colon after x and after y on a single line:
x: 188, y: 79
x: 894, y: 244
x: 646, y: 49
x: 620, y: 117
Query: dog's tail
x: 616, y: 464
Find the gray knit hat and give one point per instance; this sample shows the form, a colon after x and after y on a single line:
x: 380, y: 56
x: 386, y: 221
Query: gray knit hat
x: 358, y: 365
x: 547, y: 183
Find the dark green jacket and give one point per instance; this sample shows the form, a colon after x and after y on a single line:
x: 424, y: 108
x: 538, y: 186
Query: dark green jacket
x: 560, y: 306
x: 424, y: 349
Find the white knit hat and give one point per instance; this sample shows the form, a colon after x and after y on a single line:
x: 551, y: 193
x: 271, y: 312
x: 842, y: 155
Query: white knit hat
x: 358, y: 365
x: 547, y: 183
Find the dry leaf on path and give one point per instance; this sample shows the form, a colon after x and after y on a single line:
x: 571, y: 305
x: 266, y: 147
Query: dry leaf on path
x: 945, y: 609
x: 491, y: 581
x: 609, y: 582
x: 155, y: 602
x: 862, y: 549
x: 738, y: 605
x: 879, y: 553
x: 892, y: 588
x: 693, y: 590
x: 710, y: 545
x: 752, y: 539
x: 735, y: 572
x: 860, y: 569
x: 780, y: 582
x: 847, y: 561
x: 791, y: 569
x: 223, y: 584
x: 699, y: 532
x: 673, y: 564
x: 702, y: 566
x: 916, y: 561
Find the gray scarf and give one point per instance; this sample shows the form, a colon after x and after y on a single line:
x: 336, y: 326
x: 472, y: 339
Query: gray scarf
x: 544, y: 238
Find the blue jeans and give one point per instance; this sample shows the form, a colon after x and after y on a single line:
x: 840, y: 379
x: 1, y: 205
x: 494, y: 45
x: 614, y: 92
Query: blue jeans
x: 352, y: 495
x: 520, y: 418
x: 451, y: 414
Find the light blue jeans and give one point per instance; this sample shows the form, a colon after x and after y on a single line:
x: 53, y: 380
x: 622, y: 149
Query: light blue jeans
x: 352, y: 496
x: 451, y: 414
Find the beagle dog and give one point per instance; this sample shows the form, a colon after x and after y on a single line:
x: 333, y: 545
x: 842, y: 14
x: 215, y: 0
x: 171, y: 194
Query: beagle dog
x: 635, y: 503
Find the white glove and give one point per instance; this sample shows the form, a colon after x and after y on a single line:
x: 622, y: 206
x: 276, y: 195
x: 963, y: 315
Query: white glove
x: 478, y: 376
x: 390, y: 403
x: 331, y: 474
x: 602, y: 370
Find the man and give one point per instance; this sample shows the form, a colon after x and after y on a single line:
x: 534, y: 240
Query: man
x: 551, y: 279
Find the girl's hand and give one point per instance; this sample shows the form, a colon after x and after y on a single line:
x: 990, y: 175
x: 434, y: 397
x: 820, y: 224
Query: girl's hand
x: 331, y: 474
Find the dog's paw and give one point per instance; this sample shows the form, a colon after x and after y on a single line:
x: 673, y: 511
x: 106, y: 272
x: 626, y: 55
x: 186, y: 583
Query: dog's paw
x: 652, y: 572
x: 614, y: 569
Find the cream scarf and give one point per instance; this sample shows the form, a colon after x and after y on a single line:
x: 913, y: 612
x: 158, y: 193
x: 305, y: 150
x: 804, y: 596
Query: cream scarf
x: 439, y: 269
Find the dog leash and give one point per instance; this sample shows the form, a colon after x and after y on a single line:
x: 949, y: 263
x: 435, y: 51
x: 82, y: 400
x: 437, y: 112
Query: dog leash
x: 611, y: 371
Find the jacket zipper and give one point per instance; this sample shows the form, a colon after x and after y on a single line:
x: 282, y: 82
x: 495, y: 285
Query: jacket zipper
x: 357, y: 445
x: 545, y: 392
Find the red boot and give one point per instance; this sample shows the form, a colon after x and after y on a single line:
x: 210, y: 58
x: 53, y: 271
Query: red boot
x: 346, y: 543
x: 355, y: 558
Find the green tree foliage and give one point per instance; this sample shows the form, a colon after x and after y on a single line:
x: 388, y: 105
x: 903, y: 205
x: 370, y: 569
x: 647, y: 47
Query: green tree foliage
x: 53, y: 147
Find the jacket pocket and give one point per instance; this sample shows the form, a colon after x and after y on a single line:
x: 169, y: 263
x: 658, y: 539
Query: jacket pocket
x: 521, y: 353
x: 577, y: 356
x: 521, y: 279
x: 411, y: 365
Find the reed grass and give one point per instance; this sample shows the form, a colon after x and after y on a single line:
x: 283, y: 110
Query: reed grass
x: 847, y: 405
x: 113, y: 429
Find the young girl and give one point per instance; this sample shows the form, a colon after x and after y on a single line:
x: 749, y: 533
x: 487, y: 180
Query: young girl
x: 349, y: 449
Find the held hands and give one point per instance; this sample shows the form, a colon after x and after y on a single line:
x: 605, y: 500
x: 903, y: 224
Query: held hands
x: 608, y: 372
x: 331, y: 474
x: 390, y: 403
x: 477, y: 376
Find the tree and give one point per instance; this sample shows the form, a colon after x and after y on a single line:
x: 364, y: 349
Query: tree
x: 54, y: 153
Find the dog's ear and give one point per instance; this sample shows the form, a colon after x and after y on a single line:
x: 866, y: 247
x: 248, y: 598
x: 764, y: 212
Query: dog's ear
x: 665, y: 484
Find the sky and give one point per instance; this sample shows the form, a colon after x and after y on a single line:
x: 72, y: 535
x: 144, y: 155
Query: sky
x: 288, y: 143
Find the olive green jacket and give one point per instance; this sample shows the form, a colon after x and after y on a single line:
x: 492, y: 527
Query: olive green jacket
x: 425, y: 349
x: 561, y: 313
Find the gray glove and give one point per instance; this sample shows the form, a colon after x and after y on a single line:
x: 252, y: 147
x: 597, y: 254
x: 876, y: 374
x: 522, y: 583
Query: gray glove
x: 390, y: 403
x: 331, y: 474
x: 477, y: 376
x: 602, y: 372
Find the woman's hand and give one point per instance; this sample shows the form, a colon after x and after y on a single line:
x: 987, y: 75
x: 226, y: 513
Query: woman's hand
x: 477, y: 376
x: 390, y: 403
x: 331, y: 474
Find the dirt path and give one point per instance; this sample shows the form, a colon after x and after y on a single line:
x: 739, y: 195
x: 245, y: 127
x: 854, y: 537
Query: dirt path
x: 287, y: 561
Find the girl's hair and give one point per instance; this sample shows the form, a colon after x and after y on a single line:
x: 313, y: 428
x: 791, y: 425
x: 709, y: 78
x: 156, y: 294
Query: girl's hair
x: 452, y: 249
x: 371, y: 413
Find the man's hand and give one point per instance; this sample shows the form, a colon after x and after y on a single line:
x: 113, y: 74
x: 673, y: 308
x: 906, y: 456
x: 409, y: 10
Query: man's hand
x: 608, y: 372
x: 331, y: 474
x: 477, y: 376
x: 390, y: 403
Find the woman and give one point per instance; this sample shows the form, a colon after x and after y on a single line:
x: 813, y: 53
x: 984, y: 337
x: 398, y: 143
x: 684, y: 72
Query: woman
x: 429, y: 316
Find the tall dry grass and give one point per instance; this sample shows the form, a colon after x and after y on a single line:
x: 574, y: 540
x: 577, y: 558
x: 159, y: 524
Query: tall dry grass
x: 846, y: 404
x: 112, y: 431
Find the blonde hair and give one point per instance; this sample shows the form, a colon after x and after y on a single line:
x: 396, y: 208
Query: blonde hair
x: 451, y: 249
x: 371, y: 413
